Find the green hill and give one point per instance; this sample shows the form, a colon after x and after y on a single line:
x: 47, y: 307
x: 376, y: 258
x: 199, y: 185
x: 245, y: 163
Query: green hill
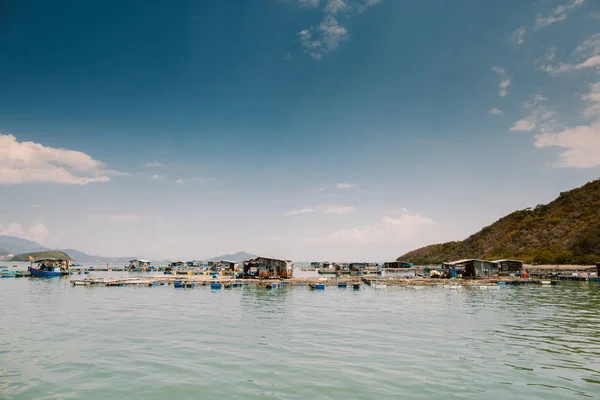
x: 40, y: 254
x: 565, y: 231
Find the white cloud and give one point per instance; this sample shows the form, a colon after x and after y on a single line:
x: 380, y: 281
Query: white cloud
x: 518, y: 35
x: 496, y: 111
x: 591, y: 62
x: 287, y: 56
x: 524, y: 125
x: 339, y: 210
x: 595, y: 15
x: 386, y: 229
x: 159, y: 177
x: 29, y: 162
x: 557, y: 14
x: 327, y: 37
x: 590, y: 47
x: 301, y: 211
x: 335, y: 6
x: 504, y: 83
x: 321, y: 40
x: 154, y: 164
x: 582, y: 144
x: 550, y: 53
x: 344, y: 185
x: 36, y: 231
x: 537, y: 99
x: 179, y: 181
x: 503, y: 88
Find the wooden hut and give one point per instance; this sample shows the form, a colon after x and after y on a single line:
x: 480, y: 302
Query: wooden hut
x: 267, y: 267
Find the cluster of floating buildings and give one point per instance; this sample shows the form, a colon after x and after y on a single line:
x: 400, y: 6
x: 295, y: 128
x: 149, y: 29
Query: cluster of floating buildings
x: 276, y: 268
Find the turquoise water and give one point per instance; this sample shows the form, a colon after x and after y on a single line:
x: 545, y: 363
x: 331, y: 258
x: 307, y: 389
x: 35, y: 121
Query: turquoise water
x: 64, y: 342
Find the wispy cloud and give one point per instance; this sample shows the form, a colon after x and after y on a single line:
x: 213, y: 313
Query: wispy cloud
x: 345, y: 186
x: 338, y: 210
x: 287, y: 56
x: 518, y: 35
x: 179, y: 181
x: 557, y: 14
x: 30, y: 162
x: 504, y: 83
x: 524, y: 125
x: 496, y: 111
x: 154, y: 164
x: 592, y: 62
x: 386, y: 229
x: 320, y: 40
x: 595, y: 15
x: 301, y: 211
x: 159, y: 177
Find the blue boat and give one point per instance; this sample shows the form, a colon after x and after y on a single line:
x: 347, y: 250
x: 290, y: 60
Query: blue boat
x: 215, y: 286
x: 356, y: 286
x: 342, y: 285
x: 178, y: 284
x: 50, y: 267
x: 317, y: 286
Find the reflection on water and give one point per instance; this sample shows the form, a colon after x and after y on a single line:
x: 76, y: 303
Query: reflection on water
x: 60, y: 341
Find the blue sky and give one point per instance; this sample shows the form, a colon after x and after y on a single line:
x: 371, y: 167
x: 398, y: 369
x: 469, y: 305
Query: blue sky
x: 331, y: 129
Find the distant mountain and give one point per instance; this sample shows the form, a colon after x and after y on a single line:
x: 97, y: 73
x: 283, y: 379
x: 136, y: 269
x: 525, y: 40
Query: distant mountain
x: 565, y: 231
x: 239, y: 256
x: 40, y: 254
x: 82, y: 257
x: 15, y: 245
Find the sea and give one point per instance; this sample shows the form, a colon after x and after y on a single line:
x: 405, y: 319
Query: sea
x: 59, y: 341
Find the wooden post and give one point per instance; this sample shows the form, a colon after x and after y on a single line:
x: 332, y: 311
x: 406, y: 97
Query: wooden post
x: 598, y: 269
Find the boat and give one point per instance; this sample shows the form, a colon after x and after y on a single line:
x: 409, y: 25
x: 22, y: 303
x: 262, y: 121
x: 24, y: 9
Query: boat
x: 356, y: 286
x: 317, y: 286
x: 378, y: 285
x: 342, y: 285
x: 50, y: 267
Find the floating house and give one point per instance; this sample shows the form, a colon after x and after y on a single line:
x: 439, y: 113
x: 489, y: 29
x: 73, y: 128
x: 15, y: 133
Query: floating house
x: 508, y: 266
x: 266, y: 267
x: 226, y: 265
x: 396, y: 264
x: 470, y: 268
x: 141, y: 265
x: 178, y: 264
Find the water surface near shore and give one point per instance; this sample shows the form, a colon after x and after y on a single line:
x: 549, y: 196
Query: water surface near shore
x: 532, y: 342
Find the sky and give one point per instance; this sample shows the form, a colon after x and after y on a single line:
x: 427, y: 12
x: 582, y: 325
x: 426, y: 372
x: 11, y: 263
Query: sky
x: 331, y: 130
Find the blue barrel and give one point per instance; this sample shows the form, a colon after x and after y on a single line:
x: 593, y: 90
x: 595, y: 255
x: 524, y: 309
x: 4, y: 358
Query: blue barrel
x: 215, y: 286
x: 178, y: 284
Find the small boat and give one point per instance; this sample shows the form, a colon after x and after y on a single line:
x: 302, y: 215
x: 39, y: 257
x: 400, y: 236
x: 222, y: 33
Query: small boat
x: 190, y: 285
x: 272, y: 285
x: 317, y: 286
x: 379, y: 285
x: 178, y: 284
x: 215, y: 286
x: 356, y: 286
x: 342, y: 285
x: 50, y: 267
